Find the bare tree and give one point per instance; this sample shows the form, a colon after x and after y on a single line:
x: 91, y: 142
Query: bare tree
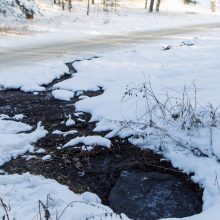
x: 146, y: 1
x: 158, y: 6
x: 70, y: 5
x: 63, y: 5
x: 151, y: 6
x: 88, y: 6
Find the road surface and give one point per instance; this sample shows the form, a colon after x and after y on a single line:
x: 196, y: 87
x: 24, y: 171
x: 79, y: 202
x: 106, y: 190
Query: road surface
x: 12, y: 56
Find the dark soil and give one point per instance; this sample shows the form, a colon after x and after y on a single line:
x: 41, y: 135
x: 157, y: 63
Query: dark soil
x: 97, y: 170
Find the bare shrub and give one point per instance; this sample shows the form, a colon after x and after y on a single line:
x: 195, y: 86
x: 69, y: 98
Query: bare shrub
x: 177, y: 118
x: 45, y: 210
x: 6, y: 209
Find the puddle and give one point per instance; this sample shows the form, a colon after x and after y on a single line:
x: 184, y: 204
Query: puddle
x: 152, y: 195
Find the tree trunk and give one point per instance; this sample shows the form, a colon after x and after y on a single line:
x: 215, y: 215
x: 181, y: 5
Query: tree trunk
x: 104, y: 5
x: 63, y: 5
x: 146, y: 3
x: 158, y: 6
x: 88, y: 7
x: 151, y: 6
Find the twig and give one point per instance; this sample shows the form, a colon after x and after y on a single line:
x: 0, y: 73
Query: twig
x: 5, y: 208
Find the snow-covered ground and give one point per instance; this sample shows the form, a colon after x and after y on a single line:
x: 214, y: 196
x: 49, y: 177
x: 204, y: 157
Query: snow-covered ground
x: 58, y: 26
x: 27, y: 196
x: 14, y: 139
x: 21, y: 195
x: 32, y: 76
x: 192, y: 63
x: 169, y: 71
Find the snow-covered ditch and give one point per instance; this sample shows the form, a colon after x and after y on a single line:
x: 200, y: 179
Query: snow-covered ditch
x: 186, y: 76
x: 194, y: 62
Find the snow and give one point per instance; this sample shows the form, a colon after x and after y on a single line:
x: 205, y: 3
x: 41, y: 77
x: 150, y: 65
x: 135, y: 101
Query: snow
x: 79, y: 119
x: 87, y: 148
x: 91, y: 197
x: 89, y: 140
x: 168, y: 72
x: 40, y: 151
x: 29, y: 157
x: 14, y: 140
x: 63, y: 94
x: 70, y: 121
x: 194, y: 62
x: 83, y: 97
x: 46, y: 157
x: 13, y: 127
x: 31, y: 76
x: 19, y: 117
x: 78, y: 114
x: 52, y: 28
x: 64, y: 133
x: 23, y: 192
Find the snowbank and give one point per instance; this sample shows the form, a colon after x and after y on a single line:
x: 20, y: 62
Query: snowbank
x: 31, y: 76
x: 22, y: 194
x: 14, y: 140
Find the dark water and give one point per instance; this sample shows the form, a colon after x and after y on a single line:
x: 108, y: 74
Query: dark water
x: 152, y: 195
